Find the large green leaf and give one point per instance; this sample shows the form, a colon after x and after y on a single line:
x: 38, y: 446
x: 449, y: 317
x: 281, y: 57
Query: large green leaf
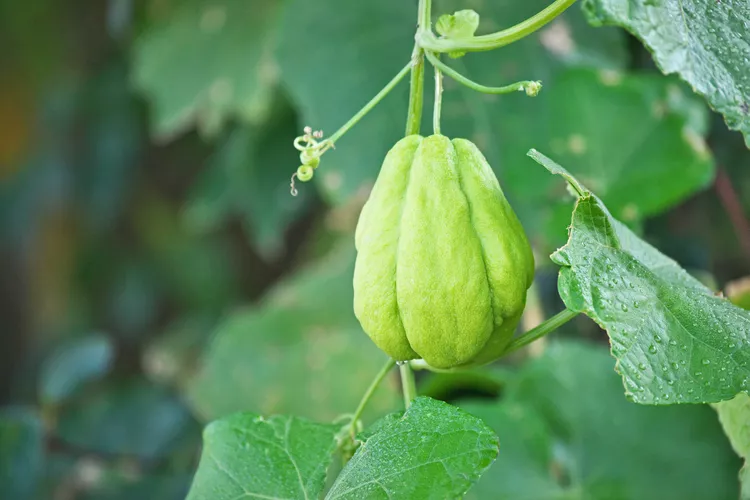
x: 21, y: 453
x: 706, y: 43
x: 208, y: 61
x: 434, y: 450
x: 674, y: 340
x: 566, y: 432
x: 288, y: 354
x: 248, y: 456
x: 735, y: 417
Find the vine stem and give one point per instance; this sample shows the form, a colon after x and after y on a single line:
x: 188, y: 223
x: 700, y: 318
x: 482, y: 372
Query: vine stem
x: 541, y: 330
x: 407, y: 384
x: 416, y: 87
x: 368, y: 395
x: 428, y: 41
x: 368, y: 107
x: 513, y: 87
x: 438, y: 107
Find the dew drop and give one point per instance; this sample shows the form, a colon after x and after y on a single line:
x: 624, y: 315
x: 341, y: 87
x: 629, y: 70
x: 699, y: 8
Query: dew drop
x: 657, y: 339
x: 706, y: 362
x: 635, y: 303
x: 641, y: 366
x: 675, y: 366
x: 624, y: 308
x: 652, y: 349
x: 673, y: 342
x: 698, y: 374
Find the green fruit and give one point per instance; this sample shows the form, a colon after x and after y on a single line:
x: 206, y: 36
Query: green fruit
x: 443, y: 263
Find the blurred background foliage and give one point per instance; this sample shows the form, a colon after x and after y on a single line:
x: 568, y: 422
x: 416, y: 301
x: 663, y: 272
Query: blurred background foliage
x: 156, y: 272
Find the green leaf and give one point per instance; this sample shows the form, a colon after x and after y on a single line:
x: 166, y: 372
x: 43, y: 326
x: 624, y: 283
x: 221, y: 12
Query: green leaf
x: 706, y: 43
x: 248, y: 456
x: 460, y: 24
x: 434, y: 451
x: 132, y: 419
x: 80, y: 361
x: 207, y: 62
x: 21, y: 453
x: 734, y: 416
x: 566, y: 432
x: 674, y: 341
x: 288, y: 354
x: 332, y: 65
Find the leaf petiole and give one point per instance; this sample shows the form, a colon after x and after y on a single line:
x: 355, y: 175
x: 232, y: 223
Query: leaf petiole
x: 407, y: 384
x: 368, y: 395
x: 541, y: 330
x: 428, y: 41
x: 529, y: 86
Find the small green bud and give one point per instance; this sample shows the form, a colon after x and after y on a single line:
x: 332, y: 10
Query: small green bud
x: 305, y: 173
x: 459, y: 25
x: 533, y: 88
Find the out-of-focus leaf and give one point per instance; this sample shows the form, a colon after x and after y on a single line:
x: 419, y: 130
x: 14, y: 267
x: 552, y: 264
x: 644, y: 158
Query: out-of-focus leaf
x: 249, y: 177
x: 113, y: 147
x: 706, y: 43
x: 131, y: 419
x: 738, y: 292
x: 198, y: 273
x: 173, y: 356
x: 623, y: 138
x: 116, y: 487
x: 74, y: 364
x: 287, y: 355
x: 566, y: 432
x: 208, y: 61
x: 132, y: 299
x: 248, y: 456
x: 434, y: 450
x: 674, y: 340
x: 734, y: 416
x: 21, y: 453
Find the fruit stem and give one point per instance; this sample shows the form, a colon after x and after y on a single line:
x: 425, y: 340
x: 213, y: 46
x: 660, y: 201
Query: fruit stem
x: 368, y: 395
x: 531, y: 87
x: 416, y: 88
x: 540, y: 331
x: 407, y: 384
x: 437, y: 108
x: 428, y: 41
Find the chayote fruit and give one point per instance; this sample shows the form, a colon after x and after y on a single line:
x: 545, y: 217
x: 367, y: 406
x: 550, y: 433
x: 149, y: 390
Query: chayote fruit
x: 443, y: 263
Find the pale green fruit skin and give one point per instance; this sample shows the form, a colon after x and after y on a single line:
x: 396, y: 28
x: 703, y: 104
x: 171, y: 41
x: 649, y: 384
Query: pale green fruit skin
x: 443, y: 264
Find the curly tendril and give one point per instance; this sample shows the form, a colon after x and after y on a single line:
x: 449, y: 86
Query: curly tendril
x: 311, y: 146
